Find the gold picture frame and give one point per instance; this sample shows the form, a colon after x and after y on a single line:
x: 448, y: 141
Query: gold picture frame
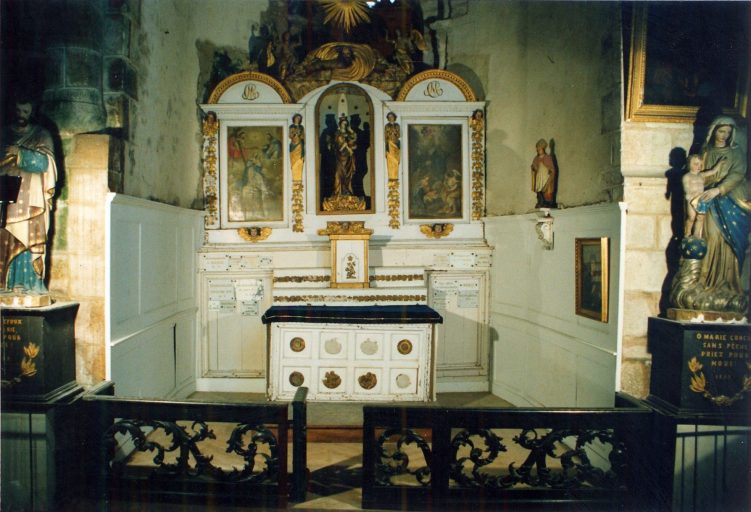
x: 349, y: 253
x: 592, y: 277
x: 679, y: 63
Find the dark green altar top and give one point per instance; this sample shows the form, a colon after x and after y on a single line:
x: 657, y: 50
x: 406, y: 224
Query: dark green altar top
x: 402, y: 314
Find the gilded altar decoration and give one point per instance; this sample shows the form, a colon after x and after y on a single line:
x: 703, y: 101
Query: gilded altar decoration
x: 254, y: 234
x: 210, y: 130
x: 394, y: 204
x: 477, y: 125
x: 350, y: 266
x: 392, y: 134
x: 355, y: 227
x: 432, y: 75
x: 398, y: 277
x: 297, y: 207
x: 368, y: 380
x: 301, y: 279
x: 404, y: 347
x: 250, y: 92
x: 349, y: 253
x: 296, y: 379
x: 436, y: 230
x: 699, y: 385
x: 246, y: 76
x: 346, y: 14
x: 332, y: 380
x: 433, y: 89
x: 297, y: 164
x: 297, y: 344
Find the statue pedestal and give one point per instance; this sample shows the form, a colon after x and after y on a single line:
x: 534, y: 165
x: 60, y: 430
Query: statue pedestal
x: 699, y: 367
x: 38, y: 351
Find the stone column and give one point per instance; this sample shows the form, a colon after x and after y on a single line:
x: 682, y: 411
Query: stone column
x: 78, y: 268
x: 73, y: 69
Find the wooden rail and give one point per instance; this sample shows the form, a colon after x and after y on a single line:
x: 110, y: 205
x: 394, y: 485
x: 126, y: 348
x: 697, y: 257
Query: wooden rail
x: 423, y: 457
x: 172, y: 435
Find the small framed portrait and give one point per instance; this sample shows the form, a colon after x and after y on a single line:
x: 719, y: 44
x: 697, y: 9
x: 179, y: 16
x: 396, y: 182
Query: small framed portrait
x: 437, y: 180
x: 592, y: 279
x: 253, y: 175
x: 686, y: 57
x: 345, y: 178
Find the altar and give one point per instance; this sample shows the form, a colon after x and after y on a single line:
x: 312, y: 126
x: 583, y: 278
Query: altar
x: 344, y: 244
x: 358, y: 353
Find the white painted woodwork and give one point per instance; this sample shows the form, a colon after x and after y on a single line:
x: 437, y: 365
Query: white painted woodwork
x: 351, y: 351
x: 234, y: 337
x: 543, y: 354
x: 151, y: 300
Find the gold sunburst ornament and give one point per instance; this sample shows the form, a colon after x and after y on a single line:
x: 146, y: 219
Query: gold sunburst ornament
x: 345, y: 13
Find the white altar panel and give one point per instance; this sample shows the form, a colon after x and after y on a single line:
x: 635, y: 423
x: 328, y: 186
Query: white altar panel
x: 234, y: 341
x: 357, y: 362
x: 461, y: 297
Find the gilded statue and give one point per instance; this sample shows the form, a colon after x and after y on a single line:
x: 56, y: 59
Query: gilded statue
x: 296, y: 147
x: 392, y: 133
x: 29, y: 153
x: 709, y: 278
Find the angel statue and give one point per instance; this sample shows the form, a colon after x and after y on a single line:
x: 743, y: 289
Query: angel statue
x: 405, y: 47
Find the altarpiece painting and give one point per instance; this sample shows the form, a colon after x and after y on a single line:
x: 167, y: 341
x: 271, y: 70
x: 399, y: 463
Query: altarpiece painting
x: 254, y: 185
x: 436, y: 173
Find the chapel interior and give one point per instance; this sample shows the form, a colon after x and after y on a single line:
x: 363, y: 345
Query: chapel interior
x: 197, y: 275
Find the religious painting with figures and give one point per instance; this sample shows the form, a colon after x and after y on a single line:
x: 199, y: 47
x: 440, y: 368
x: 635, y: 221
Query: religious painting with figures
x: 345, y: 177
x: 436, y: 175
x: 255, y: 174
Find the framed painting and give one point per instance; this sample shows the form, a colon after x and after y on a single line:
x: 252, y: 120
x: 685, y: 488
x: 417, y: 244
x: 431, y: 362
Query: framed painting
x: 592, y: 279
x: 345, y: 176
x: 253, y: 175
x: 687, y: 57
x: 437, y: 180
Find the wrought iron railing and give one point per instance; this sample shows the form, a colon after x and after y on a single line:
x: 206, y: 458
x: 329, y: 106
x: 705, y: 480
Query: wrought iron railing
x: 158, y: 450
x: 422, y: 457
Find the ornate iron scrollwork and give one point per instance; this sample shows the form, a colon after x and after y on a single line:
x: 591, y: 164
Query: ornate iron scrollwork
x: 552, y: 462
x: 396, y: 462
x: 146, y: 437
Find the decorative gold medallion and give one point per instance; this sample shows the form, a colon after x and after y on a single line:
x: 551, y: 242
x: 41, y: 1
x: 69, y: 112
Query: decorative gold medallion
x: 296, y: 379
x: 404, y: 347
x: 297, y: 344
x: 368, y: 381
x: 332, y: 380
